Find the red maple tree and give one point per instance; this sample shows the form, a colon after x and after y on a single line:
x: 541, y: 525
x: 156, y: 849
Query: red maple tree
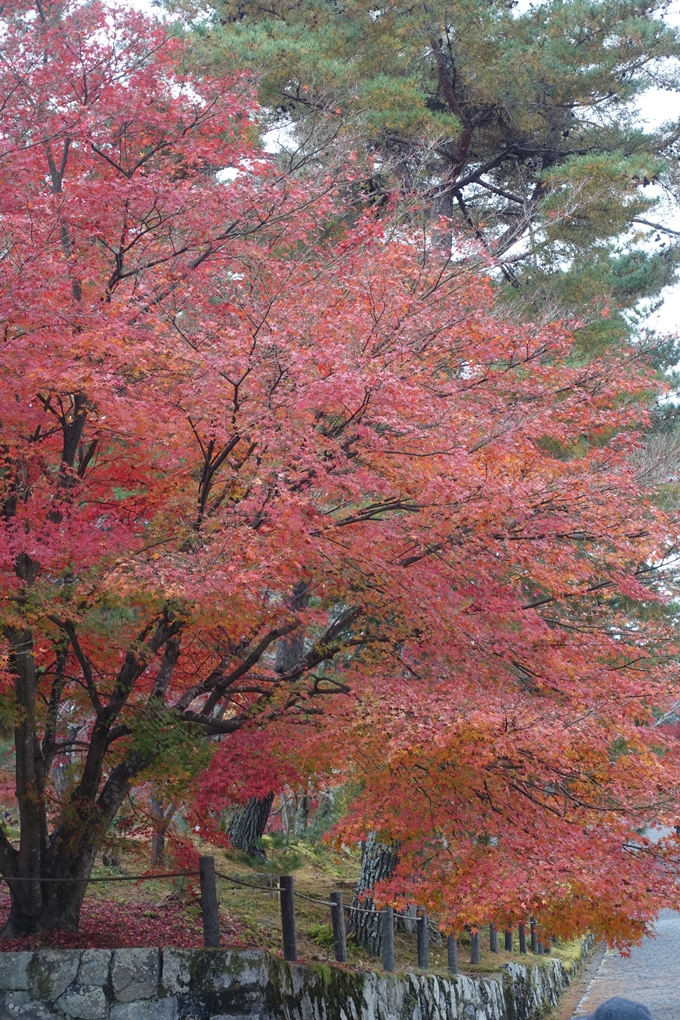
x: 209, y: 397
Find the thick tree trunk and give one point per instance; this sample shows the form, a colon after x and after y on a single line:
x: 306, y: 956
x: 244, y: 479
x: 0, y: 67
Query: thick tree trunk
x: 247, y: 824
x: 26, y: 864
x: 48, y: 906
x: 54, y: 901
x: 48, y: 875
x: 67, y: 859
x: 378, y: 861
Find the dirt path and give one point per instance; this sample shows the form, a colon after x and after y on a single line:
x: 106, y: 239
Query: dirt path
x: 577, y: 990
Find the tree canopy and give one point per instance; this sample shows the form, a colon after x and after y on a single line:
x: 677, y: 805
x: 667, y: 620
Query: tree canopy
x: 212, y: 395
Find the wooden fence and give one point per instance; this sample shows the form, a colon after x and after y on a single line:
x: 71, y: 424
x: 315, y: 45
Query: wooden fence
x: 285, y: 889
x: 287, y: 895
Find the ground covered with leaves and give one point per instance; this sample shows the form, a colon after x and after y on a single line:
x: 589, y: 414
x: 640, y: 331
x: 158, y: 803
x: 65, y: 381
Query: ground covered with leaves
x: 108, y: 923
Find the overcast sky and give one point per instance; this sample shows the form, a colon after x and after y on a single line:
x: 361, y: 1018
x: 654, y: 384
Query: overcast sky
x: 658, y: 106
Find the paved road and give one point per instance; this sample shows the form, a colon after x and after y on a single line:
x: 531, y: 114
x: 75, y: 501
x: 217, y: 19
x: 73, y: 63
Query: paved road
x: 651, y: 974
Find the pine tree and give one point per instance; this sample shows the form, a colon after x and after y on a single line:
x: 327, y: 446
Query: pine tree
x: 521, y: 127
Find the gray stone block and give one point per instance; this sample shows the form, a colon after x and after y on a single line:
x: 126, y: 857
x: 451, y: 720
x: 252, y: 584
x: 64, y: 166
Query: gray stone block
x: 154, y: 1009
x: 134, y: 974
x: 205, y: 970
x: 176, y: 971
x: 51, y: 971
x: 94, y: 967
x: 83, y: 1003
x: 20, y: 1006
x: 14, y: 1000
x: 14, y: 971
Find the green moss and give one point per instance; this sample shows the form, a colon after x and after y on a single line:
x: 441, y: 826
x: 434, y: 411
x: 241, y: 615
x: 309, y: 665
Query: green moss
x: 324, y: 972
x: 331, y: 987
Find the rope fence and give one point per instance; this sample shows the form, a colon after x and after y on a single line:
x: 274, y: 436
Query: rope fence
x: 285, y: 889
x: 273, y: 889
x: 110, y: 878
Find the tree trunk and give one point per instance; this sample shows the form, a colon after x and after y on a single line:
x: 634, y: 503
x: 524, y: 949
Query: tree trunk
x: 157, y: 834
x: 59, y: 910
x: 161, y: 818
x: 54, y: 901
x: 325, y: 812
x: 287, y: 813
x: 47, y: 876
x: 301, y: 814
x: 26, y: 864
x: 290, y: 649
x: 378, y: 861
x: 247, y: 824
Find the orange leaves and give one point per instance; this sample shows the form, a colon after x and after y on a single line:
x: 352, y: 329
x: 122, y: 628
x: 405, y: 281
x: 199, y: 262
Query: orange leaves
x: 206, y: 403
x: 500, y: 816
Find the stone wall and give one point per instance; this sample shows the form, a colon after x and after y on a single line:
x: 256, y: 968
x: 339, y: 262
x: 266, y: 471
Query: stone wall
x: 222, y: 984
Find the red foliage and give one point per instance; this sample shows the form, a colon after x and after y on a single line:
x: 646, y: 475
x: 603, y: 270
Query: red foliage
x: 208, y: 399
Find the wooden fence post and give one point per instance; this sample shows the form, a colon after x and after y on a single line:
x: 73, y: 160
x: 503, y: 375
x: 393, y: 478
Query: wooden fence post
x: 388, y: 938
x: 507, y: 934
x: 422, y: 936
x: 474, y: 946
x: 540, y: 948
x: 338, y: 922
x: 534, y: 937
x: 211, y: 918
x: 493, y: 938
x: 452, y: 954
x: 287, y: 893
x: 522, y: 929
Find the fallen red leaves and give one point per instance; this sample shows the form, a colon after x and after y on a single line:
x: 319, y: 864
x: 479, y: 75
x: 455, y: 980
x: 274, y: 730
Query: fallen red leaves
x: 112, y: 924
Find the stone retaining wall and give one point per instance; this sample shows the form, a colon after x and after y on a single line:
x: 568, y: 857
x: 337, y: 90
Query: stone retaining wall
x: 222, y: 984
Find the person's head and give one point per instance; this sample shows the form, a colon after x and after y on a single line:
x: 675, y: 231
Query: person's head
x: 620, y: 1009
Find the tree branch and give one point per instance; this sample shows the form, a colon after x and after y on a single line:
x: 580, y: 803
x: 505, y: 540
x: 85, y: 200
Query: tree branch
x: 85, y: 664
x: 166, y: 669
x: 221, y: 686
x: 657, y: 226
x: 450, y: 95
x: 49, y: 746
x: 136, y: 662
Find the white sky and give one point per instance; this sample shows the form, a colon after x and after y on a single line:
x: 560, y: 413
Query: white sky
x: 658, y: 106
